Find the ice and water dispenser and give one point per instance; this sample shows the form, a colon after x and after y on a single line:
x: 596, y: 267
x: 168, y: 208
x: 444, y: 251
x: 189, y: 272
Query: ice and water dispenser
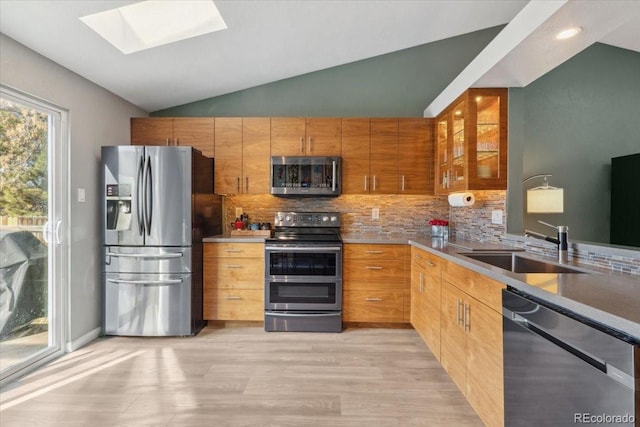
x: 118, y: 206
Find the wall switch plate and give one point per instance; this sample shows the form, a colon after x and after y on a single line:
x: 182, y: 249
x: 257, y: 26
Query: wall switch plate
x: 496, y: 217
x: 375, y: 213
x: 82, y: 195
x: 238, y: 212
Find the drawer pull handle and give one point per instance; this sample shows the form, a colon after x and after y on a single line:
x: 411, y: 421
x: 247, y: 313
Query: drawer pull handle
x: 233, y: 266
x: 373, y: 299
x: 374, y: 252
x: 371, y: 267
x: 431, y: 264
x: 233, y: 297
x: 233, y: 250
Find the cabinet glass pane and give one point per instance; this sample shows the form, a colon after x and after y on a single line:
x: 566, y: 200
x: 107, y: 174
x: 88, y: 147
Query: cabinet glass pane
x: 488, y: 136
x: 458, y: 143
x: 442, y: 132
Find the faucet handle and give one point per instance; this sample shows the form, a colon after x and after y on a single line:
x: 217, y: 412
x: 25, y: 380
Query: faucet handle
x: 560, y: 228
x: 547, y: 224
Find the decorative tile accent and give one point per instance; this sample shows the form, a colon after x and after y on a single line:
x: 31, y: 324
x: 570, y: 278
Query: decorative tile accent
x: 398, y: 213
x: 401, y: 214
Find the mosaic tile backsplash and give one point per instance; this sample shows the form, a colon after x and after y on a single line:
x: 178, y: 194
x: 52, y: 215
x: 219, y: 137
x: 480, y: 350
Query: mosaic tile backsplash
x: 411, y: 214
x: 398, y: 213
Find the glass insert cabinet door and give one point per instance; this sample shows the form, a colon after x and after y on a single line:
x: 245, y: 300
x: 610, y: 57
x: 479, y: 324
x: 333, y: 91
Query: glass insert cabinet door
x: 471, y: 142
x: 32, y: 261
x: 487, y: 136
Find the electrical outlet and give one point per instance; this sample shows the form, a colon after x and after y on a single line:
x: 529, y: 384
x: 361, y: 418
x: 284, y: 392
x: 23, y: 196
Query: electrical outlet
x: 375, y: 213
x: 82, y: 195
x: 238, y: 212
x: 496, y: 217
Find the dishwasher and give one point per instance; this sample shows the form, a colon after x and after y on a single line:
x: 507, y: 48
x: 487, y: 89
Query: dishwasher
x: 562, y: 370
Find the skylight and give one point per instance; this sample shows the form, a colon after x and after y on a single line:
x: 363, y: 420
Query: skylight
x: 153, y: 23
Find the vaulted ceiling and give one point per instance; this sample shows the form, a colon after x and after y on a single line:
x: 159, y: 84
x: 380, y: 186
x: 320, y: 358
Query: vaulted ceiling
x: 272, y: 40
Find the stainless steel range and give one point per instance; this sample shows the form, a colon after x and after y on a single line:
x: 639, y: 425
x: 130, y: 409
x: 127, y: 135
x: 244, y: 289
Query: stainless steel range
x: 303, y: 273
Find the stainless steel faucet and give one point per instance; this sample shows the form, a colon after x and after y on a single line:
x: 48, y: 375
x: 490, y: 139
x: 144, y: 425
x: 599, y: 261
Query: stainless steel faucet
x: 562, y: 239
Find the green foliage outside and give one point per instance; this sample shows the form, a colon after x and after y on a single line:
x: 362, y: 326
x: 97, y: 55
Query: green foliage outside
x: 23, y: 161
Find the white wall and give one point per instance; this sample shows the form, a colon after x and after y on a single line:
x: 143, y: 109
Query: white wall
x: 97, y: 117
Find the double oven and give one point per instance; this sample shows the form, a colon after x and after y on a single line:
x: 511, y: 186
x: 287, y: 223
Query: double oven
x: 303, y: 273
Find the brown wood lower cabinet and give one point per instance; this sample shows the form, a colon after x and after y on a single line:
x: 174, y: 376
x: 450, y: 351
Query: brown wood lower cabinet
x: 233, y: 281
x: 471, y: 339
x: 425, y: 297
x: 375, y: 285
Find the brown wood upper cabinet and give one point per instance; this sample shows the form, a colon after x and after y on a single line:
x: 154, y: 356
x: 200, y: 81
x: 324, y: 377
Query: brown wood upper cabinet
x: 386, y: 156
x: 415, y: 156
x: 242, y: 155
x: 297, y: 136
x: 195, y: 132
x: 471, y: 142
x: 369, y: 156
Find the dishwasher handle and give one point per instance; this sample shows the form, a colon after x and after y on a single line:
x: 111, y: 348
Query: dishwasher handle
x: 609, y: 370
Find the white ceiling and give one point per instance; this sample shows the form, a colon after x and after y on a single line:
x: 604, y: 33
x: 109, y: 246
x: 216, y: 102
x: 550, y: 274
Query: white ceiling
x: 269, y: 40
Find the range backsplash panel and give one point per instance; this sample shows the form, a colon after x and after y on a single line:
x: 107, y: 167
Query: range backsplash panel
x: 411, y: 214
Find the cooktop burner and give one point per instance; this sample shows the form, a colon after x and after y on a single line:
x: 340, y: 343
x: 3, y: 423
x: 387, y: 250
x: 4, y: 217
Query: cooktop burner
x: 306, y: 227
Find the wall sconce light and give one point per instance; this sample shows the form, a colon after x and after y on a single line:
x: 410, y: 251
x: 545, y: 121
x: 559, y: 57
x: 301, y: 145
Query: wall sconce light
x: 545, y: 198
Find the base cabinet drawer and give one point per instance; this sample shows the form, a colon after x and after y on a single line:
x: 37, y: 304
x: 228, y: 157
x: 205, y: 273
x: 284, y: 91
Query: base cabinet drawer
x: 234, y: 273
x: 234, y: 304
x: 233, y: 281
x: 373, y: 306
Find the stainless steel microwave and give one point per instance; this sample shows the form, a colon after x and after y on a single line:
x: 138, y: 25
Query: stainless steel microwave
x: 305, y: 176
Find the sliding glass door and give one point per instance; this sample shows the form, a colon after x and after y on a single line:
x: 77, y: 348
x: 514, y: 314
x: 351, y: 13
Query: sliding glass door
x: 33, y: 212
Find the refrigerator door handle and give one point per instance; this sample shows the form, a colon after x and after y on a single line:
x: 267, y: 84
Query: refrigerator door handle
x: 146, y: 282
x: 139, y: 193
x: 145, y: 197
x: 149, y: 190
x: 161, y: 256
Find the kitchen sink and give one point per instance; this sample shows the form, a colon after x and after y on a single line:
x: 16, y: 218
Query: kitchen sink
x: 519, y: 264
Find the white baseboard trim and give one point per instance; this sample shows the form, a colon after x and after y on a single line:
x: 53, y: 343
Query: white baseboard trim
x: 83, y: 340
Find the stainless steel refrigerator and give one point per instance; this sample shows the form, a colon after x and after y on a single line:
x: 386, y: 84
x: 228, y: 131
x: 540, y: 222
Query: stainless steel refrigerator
x: 158, y: 204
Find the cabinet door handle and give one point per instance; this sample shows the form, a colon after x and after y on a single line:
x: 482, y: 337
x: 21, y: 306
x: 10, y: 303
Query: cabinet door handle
x: 430, y: 264
x: 458, y: 312
x: 166, y: 142
x: 402, y: 183
x: 421, y: 282
x: 302, y: 144
x: 374, y: 182
x: 238, y: 183
x: 176, y: 142
x: 371, y: 267
x: 366, y: 180
x: 232, y: 297
x: 373, y: 299
x: 246, y: 184
x: 373, y: 252
x: 466, y: 322
x: 310, y: 146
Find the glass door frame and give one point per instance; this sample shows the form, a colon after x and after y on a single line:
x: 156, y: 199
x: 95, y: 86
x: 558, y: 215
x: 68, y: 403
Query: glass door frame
x: 56, y: 229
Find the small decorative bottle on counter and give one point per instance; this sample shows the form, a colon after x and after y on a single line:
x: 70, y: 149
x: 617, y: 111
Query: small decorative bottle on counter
x: 439, y: 228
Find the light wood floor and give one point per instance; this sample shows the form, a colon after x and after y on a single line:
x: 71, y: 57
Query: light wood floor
x: 242, y: 376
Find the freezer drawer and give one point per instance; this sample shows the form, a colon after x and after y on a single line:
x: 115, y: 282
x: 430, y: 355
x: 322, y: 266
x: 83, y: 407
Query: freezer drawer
x: 147, y: 304
x: 126, y: 259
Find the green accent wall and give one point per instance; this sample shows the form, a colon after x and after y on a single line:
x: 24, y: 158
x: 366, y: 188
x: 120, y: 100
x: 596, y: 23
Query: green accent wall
x: 398, y: 84
x: 570, y: 123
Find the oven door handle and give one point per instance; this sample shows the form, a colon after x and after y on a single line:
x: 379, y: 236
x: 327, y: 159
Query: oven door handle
x: 274, y: 314
x: 300, y: 249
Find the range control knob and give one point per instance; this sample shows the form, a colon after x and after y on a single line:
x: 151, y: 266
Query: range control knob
x: 287, y: 218
x: 325, y: 218
x: 334, y: 219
